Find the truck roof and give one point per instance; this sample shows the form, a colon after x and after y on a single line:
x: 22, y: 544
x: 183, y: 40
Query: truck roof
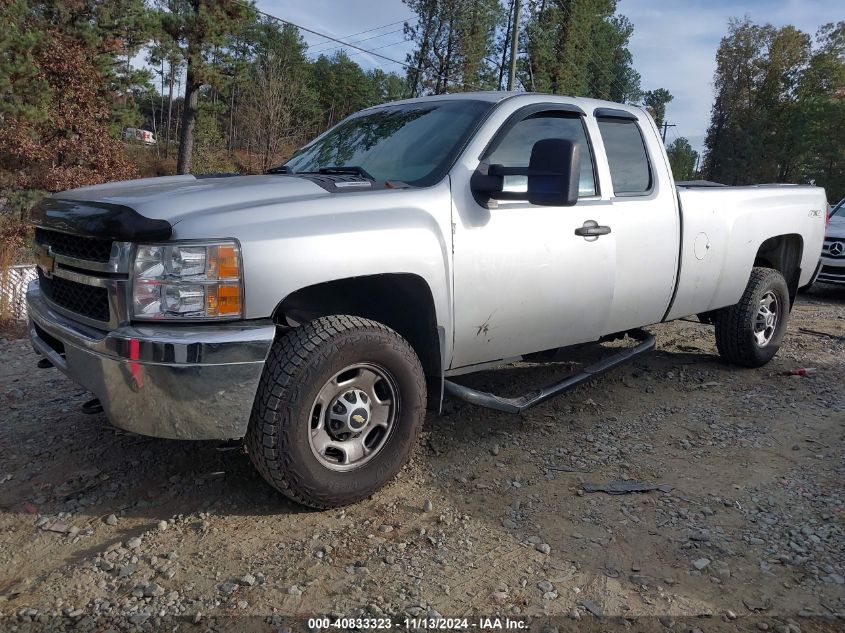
x: 496, y: 96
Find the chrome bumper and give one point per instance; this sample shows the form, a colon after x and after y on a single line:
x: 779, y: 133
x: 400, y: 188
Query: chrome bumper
x: 174, y: 381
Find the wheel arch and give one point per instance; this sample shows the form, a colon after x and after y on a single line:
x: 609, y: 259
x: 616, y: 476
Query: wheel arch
x: 402, y: 301
x: 783, y: 253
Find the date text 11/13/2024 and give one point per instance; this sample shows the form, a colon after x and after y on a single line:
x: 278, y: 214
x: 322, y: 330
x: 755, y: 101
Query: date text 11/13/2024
x: 442, y: 624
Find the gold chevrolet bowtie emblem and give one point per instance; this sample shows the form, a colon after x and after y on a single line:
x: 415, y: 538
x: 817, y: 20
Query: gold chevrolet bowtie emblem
x: 45, y: 262
x: 358, y: 418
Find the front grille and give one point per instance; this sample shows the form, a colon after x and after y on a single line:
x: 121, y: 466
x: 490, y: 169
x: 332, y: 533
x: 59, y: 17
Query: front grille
x: 89, y: 301
x: 834, y: 271
x: 88, y: 248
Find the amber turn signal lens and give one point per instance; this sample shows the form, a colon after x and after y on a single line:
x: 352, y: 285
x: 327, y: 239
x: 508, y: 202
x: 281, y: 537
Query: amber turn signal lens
x: 228, y: 300
x: 227, y: 262
x: 223, y: 300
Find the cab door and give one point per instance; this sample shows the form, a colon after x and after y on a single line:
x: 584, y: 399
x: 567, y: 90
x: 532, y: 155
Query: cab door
x: 644, y: 218
x: 524, y: 281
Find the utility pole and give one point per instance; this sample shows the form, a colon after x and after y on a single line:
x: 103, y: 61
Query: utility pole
x: 505, y: 48
x: 514, y: 44
x: 666, y: 125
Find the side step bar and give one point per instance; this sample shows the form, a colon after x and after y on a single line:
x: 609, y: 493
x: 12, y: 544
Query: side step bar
x: 521, y: 403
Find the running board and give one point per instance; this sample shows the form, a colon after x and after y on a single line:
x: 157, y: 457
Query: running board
x: 520, y: 404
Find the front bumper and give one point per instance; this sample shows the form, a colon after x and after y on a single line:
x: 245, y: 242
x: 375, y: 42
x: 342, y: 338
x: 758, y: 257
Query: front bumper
x: 832, y: 270
x: 173, y: 381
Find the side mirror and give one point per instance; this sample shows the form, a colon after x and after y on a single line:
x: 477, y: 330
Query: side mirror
x: 554, y: 172
x: 553, y: 175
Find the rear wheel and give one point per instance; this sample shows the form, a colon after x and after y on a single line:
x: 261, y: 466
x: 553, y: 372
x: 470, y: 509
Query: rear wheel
x: 340, y: 405
x: 750, y: 332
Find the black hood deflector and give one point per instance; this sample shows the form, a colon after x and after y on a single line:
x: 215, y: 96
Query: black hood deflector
x: 99, y: 219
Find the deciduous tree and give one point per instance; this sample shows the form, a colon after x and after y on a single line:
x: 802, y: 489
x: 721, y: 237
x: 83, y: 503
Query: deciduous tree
x: 682, y: 159
x: 454, y: 43
x: 779, y: 107
x: 279, y: 104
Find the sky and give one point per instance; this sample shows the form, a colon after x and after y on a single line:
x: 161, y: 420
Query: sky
x: 674, y: 42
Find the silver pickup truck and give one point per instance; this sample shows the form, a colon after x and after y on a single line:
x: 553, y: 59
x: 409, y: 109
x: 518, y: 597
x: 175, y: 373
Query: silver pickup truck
x: 313, y: 310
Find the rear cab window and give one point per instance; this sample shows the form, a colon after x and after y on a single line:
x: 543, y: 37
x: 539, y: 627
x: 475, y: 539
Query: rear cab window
x: 630, y: 170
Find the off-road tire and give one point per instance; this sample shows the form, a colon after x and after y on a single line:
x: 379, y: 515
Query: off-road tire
x: 735, y: 324
x: 299, y: 364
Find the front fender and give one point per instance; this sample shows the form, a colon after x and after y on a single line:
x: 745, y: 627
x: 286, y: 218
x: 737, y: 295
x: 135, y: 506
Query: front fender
x: 285, y: 249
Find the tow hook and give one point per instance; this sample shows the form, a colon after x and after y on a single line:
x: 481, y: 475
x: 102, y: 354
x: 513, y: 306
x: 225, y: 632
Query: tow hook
x: 92, y: 407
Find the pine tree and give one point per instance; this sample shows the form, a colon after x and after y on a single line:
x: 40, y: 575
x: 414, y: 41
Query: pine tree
x: 199, y: 30
x: 23, y: 90
x: 63, y: 85
x: 579, y: 48
x: 655, y: 101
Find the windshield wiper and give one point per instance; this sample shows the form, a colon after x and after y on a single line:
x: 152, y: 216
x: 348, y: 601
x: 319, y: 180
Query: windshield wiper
x: 347, y: 169
x: 281, y: 169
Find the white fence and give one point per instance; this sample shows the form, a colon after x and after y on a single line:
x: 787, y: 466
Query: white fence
x: 13, y: 283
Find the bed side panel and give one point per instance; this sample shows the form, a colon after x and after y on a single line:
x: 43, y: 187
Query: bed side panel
x: 723, y: 229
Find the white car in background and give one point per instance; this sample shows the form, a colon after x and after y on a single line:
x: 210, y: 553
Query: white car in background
x: 832, y: 268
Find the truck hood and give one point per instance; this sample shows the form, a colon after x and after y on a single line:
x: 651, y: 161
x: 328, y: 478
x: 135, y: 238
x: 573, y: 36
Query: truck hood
x: 175, y: 198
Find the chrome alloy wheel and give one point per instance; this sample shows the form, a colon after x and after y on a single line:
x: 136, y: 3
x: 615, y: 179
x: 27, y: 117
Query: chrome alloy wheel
x: 766, y: 319
x: 352, y: 416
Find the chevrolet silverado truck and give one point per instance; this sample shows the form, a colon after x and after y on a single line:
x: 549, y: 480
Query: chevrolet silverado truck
x: 312, y: 310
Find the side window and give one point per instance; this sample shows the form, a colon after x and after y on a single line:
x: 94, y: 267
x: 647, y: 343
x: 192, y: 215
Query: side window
x: 514, y: 149
x: 630, y: 172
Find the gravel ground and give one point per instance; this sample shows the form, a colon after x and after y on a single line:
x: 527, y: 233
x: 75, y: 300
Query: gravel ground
x: 100, y: 528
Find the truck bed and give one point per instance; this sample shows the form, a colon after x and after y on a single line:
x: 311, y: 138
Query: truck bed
x: 723, y: 230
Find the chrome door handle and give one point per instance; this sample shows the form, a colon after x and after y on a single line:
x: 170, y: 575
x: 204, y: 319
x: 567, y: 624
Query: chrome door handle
x: 593, y: 229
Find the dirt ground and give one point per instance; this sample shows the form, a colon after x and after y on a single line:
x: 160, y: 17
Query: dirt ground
x: 100, y: 528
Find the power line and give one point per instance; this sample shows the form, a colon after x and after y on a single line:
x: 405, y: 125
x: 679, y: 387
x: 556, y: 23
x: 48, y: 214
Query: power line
x: 325, y: 40
x: 372, y: 37
x: 377, y: 28
x: 378, y: 48
x: 328, y: 37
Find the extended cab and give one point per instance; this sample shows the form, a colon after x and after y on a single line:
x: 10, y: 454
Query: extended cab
x: 311, y: 309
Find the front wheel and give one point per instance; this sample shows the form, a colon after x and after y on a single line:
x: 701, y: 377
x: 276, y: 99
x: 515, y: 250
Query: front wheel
x: 750, y: 332
x: 339, y: 407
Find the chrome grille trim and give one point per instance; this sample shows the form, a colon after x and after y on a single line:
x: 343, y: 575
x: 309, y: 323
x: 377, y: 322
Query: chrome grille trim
x: 112, y: 275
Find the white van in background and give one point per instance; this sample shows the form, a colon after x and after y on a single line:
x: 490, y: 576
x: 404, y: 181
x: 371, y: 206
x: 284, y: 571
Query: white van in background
x: 142, y: 136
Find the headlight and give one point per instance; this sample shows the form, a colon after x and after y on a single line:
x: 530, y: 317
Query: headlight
x: 187, y: 281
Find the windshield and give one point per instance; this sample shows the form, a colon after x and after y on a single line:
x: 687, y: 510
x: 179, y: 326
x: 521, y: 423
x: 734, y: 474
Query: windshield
x: 415, y: 143
x: 839, y: 209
